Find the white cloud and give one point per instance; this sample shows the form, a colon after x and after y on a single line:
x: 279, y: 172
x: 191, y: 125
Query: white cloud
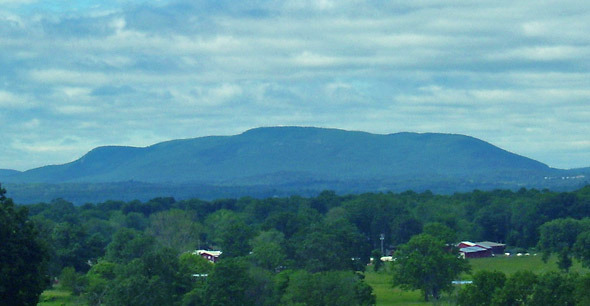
x: 8, y: 99
x: 19, y: 2
x: 224, y: 92
x: 309, y: 59
x: 68, y: 77
x: 513, y: 73
x: 545, y: 53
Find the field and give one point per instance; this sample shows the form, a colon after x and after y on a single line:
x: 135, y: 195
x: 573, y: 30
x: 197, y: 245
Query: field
x: 58, y: 297
x: 386, y: 295
x: 511, y: 264
x: 381, y: 282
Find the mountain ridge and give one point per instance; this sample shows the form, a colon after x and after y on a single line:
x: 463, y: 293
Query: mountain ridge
x: 302, y: 158
x: 263, y: 151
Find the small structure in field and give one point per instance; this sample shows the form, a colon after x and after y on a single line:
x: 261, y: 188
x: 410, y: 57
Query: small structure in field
x: 475, y: 252
x: 469, y: 249
x: 497, y: 248
x: 211, y: 256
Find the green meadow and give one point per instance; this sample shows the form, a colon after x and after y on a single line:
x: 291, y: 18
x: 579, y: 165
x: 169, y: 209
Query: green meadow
x: 59, y: 297
x: 511, y: 264
x: 381, y: 281
x: 387, y: 295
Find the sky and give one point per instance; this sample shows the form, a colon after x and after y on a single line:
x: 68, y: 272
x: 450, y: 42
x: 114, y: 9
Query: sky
x: 75, y: 75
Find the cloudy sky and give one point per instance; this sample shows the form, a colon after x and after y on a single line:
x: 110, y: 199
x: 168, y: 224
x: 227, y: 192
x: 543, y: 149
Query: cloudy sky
x: 79, y: 74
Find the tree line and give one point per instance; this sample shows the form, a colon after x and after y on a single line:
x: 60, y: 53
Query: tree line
x: 286, y: 250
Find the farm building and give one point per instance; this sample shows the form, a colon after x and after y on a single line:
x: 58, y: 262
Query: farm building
x: 469, y: 249
x: 475, y: 252
x: 497, y: 248
x: 212, y: 256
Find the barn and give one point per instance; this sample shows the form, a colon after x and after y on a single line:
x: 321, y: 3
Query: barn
x: 475, y: 252
x: 497, y: 248
x: 468, y: 249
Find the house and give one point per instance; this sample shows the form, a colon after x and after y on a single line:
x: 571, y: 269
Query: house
x: 211, y: 256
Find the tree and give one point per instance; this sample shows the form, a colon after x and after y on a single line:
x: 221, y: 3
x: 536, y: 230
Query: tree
x: 175, y: 229
x: 229, y: 283
x: 440, y: 231
x: 152, y: 279
x: 194, y: 264
x: 99, y: 280
x: 481, y: 291
x: 553, y: 288
x: 72, y: 280
x: 423, y: 263
x: 268, y: 250
x: 235, y: 237
x: 128, y: 244
x: 377, y: 263
x: 559, y: 236
x: 581, y: 248
x: 493, y: 222
x: 327, y: 288
x: 23, y: 257
x: 404, y: 228
x: 74, y: 247
x: 335, y: 245
x: 582, y: 290
x: 518, y: 289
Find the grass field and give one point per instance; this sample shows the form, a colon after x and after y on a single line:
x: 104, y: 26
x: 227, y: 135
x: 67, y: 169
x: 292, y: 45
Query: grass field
x: 387, y: 295
x: 382, y: 281
x: 511, y: 264
x: 59, y: 297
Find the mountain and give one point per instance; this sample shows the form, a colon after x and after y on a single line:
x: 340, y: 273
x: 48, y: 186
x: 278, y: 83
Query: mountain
x: 6, y: 173
x: 302, y: 158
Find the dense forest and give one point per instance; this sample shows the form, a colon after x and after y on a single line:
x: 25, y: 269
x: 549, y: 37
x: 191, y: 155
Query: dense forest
x: 289, y: 250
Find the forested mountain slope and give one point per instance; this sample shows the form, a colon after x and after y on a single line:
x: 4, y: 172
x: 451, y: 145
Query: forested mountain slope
x: 316, y: 153
x: 295, y: 159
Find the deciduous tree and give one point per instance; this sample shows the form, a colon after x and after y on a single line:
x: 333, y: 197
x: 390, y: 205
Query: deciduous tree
x: 423, y: 263
x: 23, y: 257
x: 481, y: 291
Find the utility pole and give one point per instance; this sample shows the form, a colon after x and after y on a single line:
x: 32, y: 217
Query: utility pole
x: 382, y: 237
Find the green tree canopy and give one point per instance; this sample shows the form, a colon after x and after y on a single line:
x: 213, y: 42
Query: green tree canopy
x: 268, y: 250
x: 327, y: 288
x: 423, y: 263
x: 440, y: 231
x: 128, y: 244
x: 518, y: 289
x: 175, y: 229
x: 481, y: 291
x: 154, y: 278
x: 553, y: 288
x: 229, y: 283
x: 581, y: 248
x: 23, y: 257
x: 559, y: 236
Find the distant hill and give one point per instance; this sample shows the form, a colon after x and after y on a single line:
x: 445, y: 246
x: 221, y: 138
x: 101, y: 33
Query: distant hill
x: 280, y: 159
x: 5, y: 173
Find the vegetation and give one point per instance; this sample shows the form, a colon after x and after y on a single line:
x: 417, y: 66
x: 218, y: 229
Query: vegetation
x: 297, y: 250
x: 23, y: 256
x: 423, y: 263
x: 283, y: 161
x: 510, y: 264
